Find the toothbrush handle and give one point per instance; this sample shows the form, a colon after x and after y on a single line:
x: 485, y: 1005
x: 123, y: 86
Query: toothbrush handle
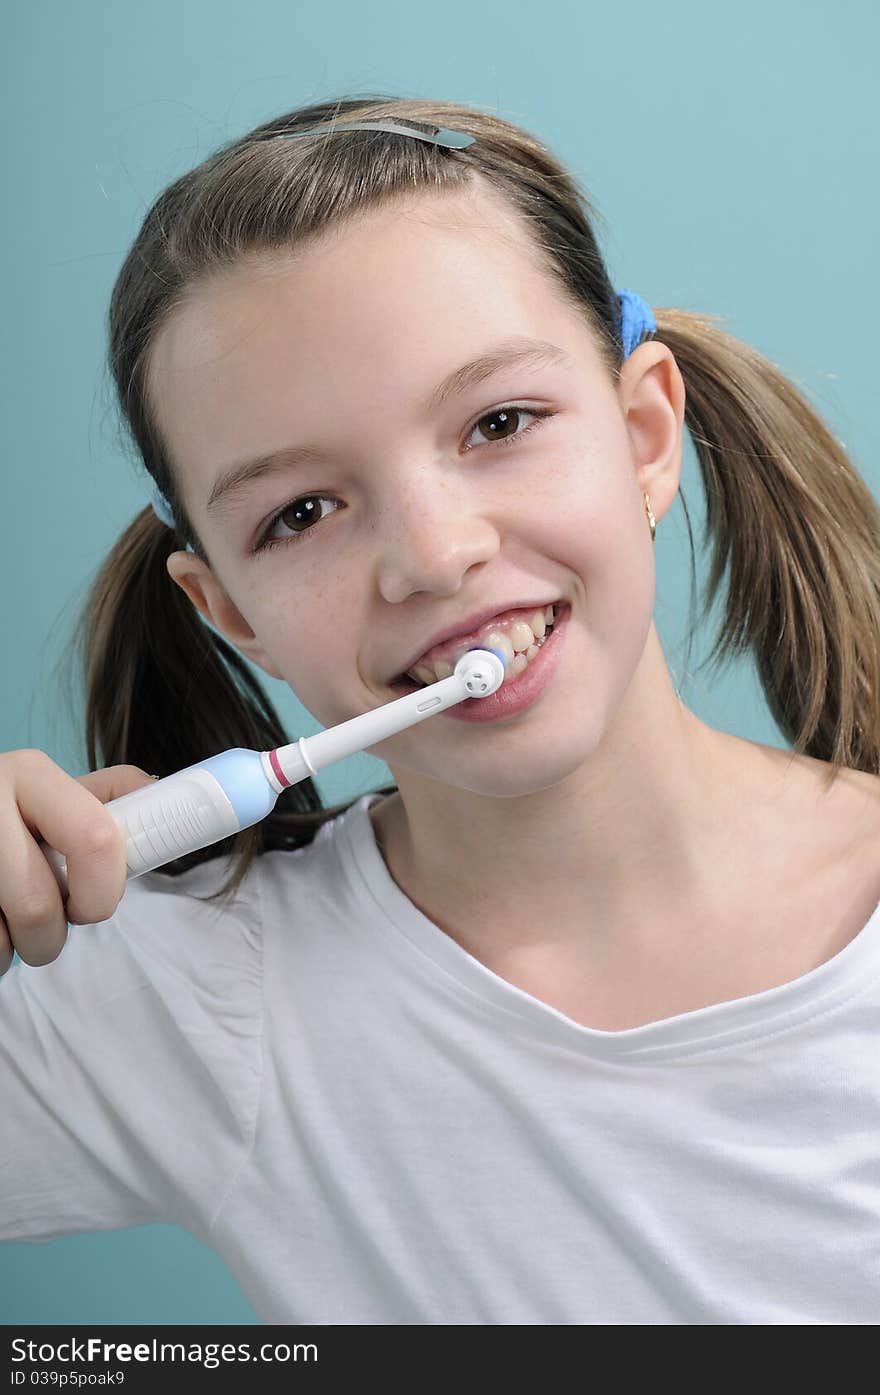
x: 188, y: 810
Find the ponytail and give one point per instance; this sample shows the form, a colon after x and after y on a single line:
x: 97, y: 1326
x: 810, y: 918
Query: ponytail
x: 799, y: 530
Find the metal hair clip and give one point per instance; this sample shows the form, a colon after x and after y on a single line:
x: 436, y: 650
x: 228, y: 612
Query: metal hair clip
x: 452, y: 140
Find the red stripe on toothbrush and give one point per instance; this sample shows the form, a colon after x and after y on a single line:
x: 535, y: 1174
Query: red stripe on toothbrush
x: 273, y: 757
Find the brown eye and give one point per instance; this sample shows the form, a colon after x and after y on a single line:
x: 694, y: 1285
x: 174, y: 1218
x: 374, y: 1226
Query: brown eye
x: 299, y: 516
x: 302, y: 513
x: 502, y: 423
x: 501, y: 426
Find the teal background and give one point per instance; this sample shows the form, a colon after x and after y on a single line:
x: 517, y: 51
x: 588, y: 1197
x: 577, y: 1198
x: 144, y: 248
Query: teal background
x: 733, y: 156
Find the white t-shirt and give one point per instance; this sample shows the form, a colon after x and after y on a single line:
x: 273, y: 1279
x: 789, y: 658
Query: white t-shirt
x: 370, y: 1126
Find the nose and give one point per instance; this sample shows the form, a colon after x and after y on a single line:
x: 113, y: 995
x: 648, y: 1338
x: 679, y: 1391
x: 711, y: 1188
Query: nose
x: 431, y: 538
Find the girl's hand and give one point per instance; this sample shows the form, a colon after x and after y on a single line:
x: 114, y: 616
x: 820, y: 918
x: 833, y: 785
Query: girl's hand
x: 39, y: 800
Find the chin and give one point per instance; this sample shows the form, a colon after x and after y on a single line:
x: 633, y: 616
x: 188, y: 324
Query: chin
x: 530, y: 777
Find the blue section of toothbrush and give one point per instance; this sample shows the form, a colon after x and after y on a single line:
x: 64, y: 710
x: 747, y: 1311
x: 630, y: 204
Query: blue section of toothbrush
x: 241, y: 776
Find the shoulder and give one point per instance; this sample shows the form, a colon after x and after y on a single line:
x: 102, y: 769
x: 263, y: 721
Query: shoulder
x: 849, y: 810
x: 855, y: 821
x: 831, y: 837
x: 844, y: 811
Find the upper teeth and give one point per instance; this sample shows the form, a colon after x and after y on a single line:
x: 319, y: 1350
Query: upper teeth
x: 516, y: 637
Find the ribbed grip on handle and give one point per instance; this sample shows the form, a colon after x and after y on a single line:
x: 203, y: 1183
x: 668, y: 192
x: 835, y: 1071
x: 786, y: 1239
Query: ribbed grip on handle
x: 185, y: 811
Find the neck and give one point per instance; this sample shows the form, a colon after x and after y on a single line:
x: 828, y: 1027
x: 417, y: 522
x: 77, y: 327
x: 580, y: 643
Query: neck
x: 640, y: 831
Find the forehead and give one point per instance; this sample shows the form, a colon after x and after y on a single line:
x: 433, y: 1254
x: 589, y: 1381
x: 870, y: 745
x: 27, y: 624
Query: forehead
x: 373, y: 313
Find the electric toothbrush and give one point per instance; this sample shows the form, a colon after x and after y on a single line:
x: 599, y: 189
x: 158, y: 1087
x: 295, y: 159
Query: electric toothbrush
x: 214, y: 798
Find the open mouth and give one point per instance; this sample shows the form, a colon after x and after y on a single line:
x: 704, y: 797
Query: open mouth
x: 520, y: 639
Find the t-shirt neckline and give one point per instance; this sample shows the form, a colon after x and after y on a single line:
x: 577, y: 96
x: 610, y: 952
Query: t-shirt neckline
x: 821, y: 991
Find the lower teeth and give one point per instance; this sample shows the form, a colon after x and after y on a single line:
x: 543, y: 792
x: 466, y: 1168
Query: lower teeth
x: 537, y: 644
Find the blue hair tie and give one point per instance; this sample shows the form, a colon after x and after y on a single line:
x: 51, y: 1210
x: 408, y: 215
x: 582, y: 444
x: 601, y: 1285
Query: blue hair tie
x: 161, y: 507
x: 636, y: 317
x: 163, y: 511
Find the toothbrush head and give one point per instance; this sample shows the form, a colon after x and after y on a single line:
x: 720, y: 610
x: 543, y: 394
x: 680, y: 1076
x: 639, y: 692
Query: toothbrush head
x: 482, y: 671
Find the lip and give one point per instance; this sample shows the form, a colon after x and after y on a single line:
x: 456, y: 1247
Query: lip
x: 466, y: 630
x: 512, y: 697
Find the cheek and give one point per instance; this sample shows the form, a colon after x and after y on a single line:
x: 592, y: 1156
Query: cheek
x: 594, y: 528
x: 580, y: 513
x: 301, y: 617
x: 620, y: 587
x: 314, y: 642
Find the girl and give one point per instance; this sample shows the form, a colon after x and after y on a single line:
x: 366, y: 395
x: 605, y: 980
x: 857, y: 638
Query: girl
x: 575, y: 1022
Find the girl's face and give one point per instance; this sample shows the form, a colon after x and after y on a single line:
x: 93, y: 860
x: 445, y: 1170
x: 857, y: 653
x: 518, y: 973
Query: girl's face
x: 416, y: 515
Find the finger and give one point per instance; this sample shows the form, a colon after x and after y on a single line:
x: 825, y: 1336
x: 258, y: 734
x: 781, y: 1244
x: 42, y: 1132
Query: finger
x: 69, y: 816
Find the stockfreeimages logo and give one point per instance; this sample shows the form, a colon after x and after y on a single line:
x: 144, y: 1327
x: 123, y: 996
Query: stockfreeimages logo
x: 209, y: 1355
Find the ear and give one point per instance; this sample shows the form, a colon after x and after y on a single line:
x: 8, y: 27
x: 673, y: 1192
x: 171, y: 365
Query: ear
x: 197, y: 580
x: 651, y: 394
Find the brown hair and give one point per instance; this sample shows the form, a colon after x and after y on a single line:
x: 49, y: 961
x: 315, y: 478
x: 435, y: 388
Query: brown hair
x: 786, y: 509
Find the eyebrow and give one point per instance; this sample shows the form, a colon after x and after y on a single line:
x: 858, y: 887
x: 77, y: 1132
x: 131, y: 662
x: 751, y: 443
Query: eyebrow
x: 516, y: 352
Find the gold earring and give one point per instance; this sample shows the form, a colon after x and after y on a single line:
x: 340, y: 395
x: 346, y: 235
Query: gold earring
x: 651, y: 519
